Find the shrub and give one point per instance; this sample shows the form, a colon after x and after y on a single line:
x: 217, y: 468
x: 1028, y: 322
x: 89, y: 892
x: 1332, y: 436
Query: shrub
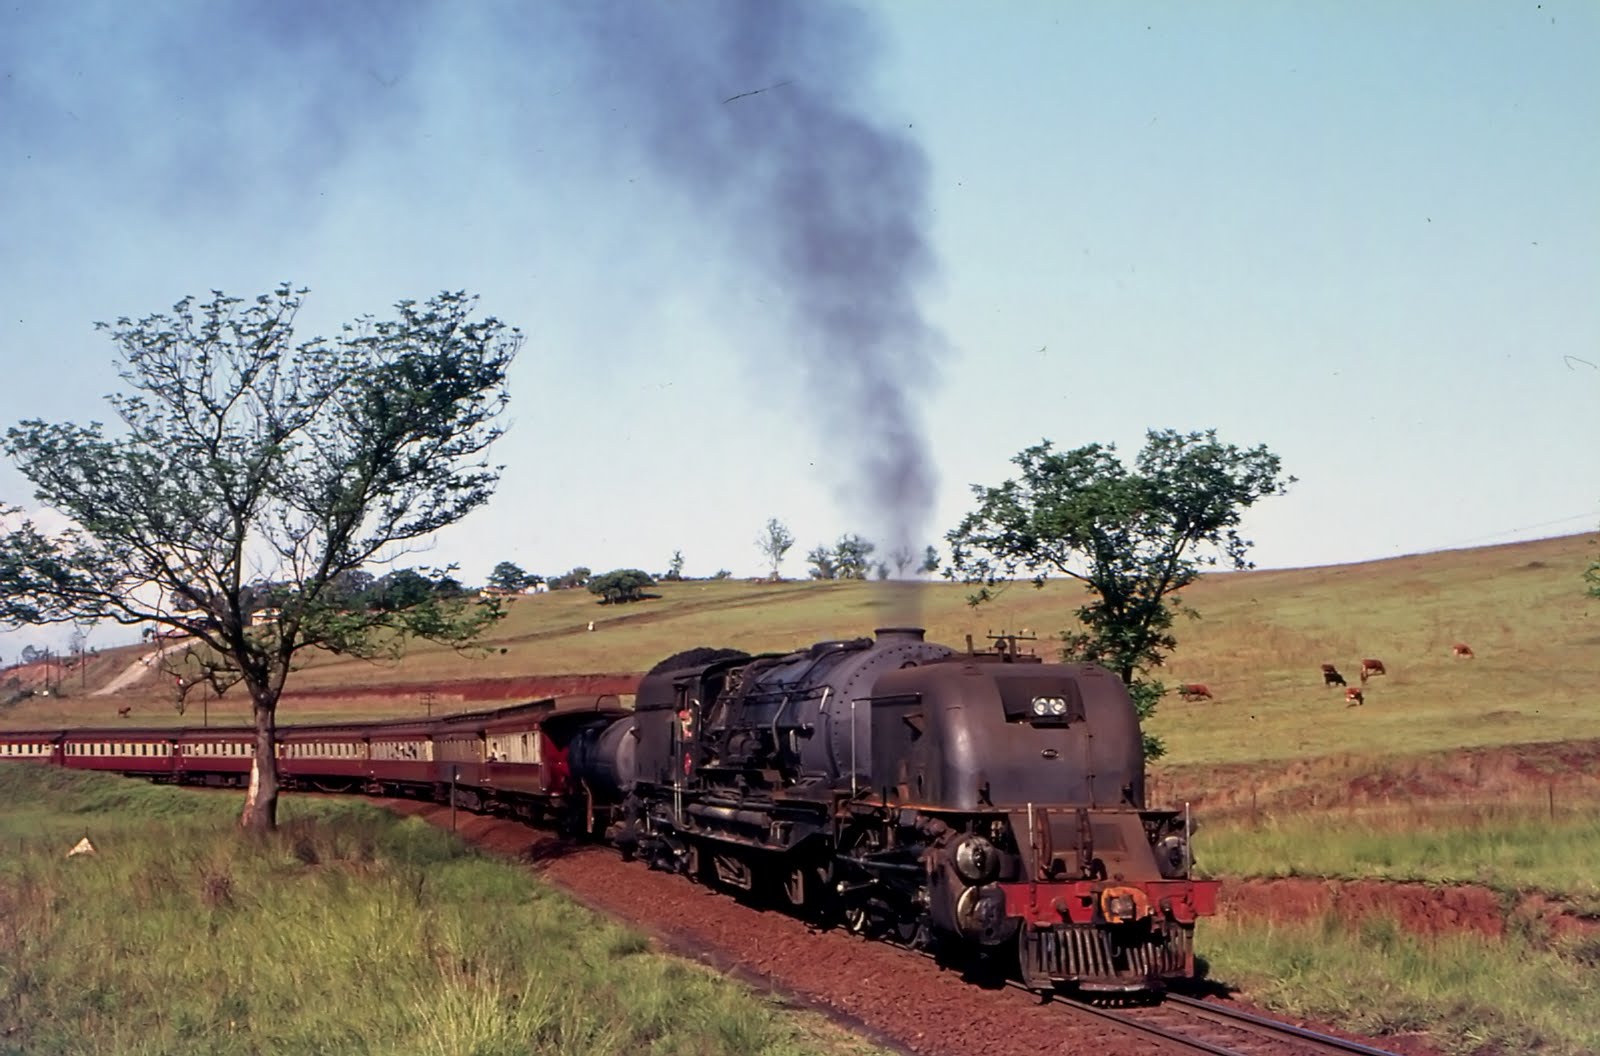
x: 624, y: 584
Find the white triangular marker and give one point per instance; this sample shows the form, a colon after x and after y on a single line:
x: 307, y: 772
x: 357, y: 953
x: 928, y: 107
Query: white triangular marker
x: 83, y: 846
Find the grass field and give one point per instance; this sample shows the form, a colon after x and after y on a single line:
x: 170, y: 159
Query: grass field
x: 349, y: 931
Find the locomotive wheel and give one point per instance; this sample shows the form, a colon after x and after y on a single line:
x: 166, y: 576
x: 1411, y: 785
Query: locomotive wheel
x: 857, y: 916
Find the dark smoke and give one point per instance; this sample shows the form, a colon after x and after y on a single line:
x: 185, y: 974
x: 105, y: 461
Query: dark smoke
x: 757, y: 113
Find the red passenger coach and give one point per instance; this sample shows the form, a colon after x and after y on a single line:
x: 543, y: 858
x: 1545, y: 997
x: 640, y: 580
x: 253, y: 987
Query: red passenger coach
x: 511, y: 760
x: 514, y: 760
x: 325, y: 758
x: 215, y: 756
x: 39, y: 746
x: 142, y: 753
x: 400, y: 757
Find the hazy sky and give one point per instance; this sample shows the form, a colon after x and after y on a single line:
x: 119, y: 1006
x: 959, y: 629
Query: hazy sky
x: 1365, y: 235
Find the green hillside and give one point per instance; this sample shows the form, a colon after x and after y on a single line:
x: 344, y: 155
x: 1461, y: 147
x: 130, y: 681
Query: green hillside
x: 1258, y: 645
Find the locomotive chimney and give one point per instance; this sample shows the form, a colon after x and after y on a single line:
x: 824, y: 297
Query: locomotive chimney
x: 899, y: 634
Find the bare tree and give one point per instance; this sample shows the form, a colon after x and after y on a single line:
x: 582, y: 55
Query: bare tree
x: 774, y: 542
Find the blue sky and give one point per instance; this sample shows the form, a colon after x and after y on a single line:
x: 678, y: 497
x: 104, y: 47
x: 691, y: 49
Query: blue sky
x: 1365, y: 235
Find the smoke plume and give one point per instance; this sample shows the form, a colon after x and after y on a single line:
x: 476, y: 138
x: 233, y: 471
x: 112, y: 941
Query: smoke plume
x: 756, y: 113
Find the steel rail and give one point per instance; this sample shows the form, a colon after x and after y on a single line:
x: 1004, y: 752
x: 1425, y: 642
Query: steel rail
x: 1148, y: 1029
x: 1326, y: 1042
x: 1259, y: 1028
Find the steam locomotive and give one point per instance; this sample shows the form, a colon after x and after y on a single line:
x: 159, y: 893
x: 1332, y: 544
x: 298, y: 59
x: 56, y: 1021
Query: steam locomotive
x: 976, y: 802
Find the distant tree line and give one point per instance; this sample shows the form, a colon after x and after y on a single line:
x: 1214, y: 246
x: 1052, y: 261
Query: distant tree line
x: 851, y: 558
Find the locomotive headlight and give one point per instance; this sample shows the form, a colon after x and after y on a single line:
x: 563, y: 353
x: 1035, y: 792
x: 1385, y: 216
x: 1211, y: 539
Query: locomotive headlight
x: 1043, y: 706
x: 1172, y: 856
x: 976, y: 860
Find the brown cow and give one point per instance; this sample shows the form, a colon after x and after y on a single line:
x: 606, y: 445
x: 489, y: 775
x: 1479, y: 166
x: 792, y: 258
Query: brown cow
x: 1461, y: 649
x: 125, y: 712
x: 1353, y: 696
x: 1370, y: 667
x: 1195, y: 691
x: 1331, y: 676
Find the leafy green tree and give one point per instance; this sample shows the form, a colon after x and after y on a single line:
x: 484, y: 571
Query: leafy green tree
x: 1134, y: 537
x: 402, y: 589
x: 774, y: 542
x: 930, y: 561
x: 674, y: 572
x: 508, y: 575
x: 623, y: 584
x: 577, y: 577
x: 352, y: 589
x: 852, y: 556
x: 249, y: 467
x: 406, y: 588
x: 823, y: 563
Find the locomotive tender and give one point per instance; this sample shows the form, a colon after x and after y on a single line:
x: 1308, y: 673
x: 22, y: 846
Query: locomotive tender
x: 964, y: 802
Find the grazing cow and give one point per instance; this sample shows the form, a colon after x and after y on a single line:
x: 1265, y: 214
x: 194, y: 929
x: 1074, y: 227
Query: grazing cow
x: 125, y: 712
x: 1370, y: 667
x: 1353, y: 696
x: 1195, y: 691
x: 1331, y: 676
x: 1461, y: 649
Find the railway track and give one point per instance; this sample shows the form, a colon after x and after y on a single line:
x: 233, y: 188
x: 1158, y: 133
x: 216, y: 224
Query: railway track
x: 1188, y: 1025
x: 1184, y: 1025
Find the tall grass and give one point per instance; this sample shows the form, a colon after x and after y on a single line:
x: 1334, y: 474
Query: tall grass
x: 348, y: 931
x: 1507, y: 846
x: 1464, y: 994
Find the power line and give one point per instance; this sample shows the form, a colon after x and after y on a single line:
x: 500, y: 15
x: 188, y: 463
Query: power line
x: 1593, y: 515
